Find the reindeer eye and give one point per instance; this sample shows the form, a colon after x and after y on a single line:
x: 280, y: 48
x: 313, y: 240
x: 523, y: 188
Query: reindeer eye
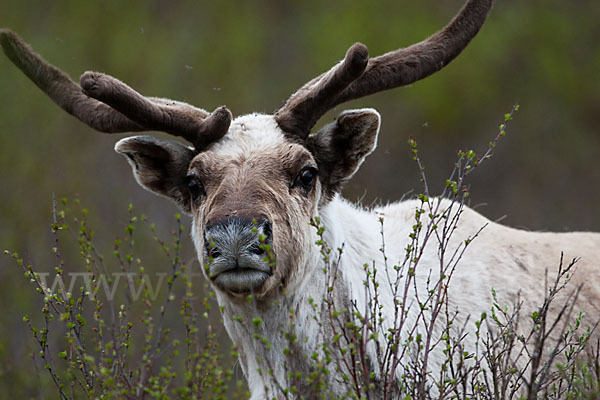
x: 195, y: 186
x: 306, y: 178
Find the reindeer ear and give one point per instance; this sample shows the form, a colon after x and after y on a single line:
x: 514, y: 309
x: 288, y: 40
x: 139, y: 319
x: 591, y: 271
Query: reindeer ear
x: 340, y: 147
x: 160, y: 166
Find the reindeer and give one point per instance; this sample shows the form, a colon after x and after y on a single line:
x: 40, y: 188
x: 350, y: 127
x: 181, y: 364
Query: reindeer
x: 256, y: 184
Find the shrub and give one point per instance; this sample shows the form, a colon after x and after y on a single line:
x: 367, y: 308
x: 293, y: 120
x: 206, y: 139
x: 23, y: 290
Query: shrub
x: 109, y: 331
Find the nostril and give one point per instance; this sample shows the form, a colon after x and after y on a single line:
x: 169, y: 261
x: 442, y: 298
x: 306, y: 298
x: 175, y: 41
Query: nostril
x: 267, y: 230
x: 256, y: 249
x: 211, y: 249
x: 214, y: 252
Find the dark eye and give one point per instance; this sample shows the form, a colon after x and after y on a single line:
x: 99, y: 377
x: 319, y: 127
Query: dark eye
x: 195, y: 186
x: 306, y: 178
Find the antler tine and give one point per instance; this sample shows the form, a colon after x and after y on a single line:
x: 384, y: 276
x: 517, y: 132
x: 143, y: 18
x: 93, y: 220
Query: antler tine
x: 62, y: 89
x: 405, y: 66
x: 396, y: 68
x: 175, y: 117
x: 302, y: 110
x: 112, y: 106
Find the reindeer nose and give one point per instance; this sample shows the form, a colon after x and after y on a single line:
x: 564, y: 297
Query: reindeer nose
x: 233, y: 237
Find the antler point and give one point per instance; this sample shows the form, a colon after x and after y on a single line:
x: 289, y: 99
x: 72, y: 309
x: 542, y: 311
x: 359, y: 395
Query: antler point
x: 6, y: 36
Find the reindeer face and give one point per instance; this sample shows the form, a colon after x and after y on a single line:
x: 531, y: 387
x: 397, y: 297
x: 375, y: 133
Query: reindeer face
x: 258, y: 194
x: 254, y: 192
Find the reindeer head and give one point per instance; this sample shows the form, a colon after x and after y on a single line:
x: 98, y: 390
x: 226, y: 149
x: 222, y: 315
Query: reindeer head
x: 252, y: 185
x: 253, y: 193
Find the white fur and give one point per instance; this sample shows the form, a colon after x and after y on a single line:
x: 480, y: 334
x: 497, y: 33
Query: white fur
x: 249, y: 134
x: 489, y: 263
x: 511, y: 261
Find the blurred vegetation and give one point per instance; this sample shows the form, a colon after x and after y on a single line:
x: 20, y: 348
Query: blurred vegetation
x: 251, y: 56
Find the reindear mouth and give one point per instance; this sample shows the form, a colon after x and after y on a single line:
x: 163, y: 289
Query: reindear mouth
x: 245, y: 274
x: 239, y: 280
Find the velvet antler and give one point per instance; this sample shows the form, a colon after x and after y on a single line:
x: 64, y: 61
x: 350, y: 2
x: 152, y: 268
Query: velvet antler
x: 108, y: 105
x: 358, y: 76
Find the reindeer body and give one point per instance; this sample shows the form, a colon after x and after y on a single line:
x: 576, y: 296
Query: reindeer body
x: 513, y: 262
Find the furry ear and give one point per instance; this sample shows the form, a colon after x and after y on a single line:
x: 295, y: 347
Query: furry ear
x: 340, y: 147
x: 160, y: 166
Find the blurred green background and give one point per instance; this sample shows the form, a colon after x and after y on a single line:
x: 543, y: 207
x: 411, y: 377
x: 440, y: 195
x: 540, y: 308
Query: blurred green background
x: 544, y: 54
